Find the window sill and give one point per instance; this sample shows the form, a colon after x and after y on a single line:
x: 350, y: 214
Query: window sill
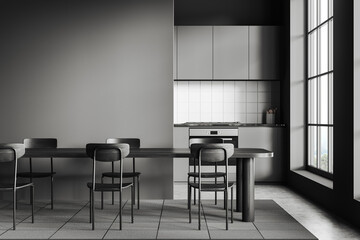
x: 316, y: 178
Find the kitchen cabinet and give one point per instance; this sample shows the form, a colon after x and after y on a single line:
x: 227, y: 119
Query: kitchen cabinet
x: 270, y: 138
x: 266, y: 169
x: 226, y: 52
x: 231, y: 52
x: 263, y: 53
x: 180, y: 140
x: 194, y: 52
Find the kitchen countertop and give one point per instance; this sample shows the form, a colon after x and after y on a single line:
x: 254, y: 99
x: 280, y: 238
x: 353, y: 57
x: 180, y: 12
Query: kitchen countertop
x: 194, y: 125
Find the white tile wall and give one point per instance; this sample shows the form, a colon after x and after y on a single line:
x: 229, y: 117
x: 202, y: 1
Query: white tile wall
x: 222, y: 101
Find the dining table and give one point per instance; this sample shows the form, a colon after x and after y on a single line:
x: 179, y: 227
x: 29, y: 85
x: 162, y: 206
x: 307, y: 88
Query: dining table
x: 245, y: 167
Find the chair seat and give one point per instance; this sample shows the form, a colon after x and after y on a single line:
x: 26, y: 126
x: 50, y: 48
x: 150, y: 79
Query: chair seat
x: 211, y: 186
x: 117, y: 174
x: 10, y: 186
x: 207, y: 174
x: 35, y: 174
x: 108, y: 187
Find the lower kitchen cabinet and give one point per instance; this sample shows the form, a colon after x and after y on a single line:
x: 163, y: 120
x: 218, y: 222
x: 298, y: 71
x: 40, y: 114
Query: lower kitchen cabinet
x: 266, y: 169
x: 270, y: 138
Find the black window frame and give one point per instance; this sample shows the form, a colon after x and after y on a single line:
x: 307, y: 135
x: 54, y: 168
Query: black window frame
x: 308, y: 167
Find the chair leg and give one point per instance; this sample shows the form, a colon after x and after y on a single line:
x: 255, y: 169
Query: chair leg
x: 52, y: 192
x: 138, y: 192
x: 224, y: 196
x: 199, y: 208
x: 112, y: 193
x: 120, y: 210
x: 189, y: 193
x: 132, y: 203
x: 215, y: 190
x: 232, y: 208
x: 226, y: 210
x: 133, y: 193
x: 14, y: 209
x: 90, y: 205
x: 189, y: 203
x: 194, y: 192
x: 92, y: 210
x: 32, y: 204
x: 102, y: 194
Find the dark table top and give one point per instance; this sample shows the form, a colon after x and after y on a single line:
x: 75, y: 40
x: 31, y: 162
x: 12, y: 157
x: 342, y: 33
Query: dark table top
x: 142, y: 153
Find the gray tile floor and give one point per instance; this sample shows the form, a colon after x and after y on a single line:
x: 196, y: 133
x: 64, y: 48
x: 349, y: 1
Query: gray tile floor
x: 321, y: 223
x: 157, y: 219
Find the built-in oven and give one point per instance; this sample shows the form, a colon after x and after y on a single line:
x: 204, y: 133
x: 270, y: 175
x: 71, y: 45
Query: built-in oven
x: 229, y: 135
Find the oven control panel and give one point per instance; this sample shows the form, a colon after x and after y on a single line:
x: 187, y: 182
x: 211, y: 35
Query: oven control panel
x: 213, y: 132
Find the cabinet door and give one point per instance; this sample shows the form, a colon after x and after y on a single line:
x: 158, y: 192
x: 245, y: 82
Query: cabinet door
x: 231, y: 52
x: 263, y: 52
x: 180, y: 140
x: 266, y: 169
x: 194, y: 51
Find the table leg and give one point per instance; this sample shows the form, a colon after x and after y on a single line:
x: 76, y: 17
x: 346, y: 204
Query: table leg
x: 239, y: 185
x: 248, y: 189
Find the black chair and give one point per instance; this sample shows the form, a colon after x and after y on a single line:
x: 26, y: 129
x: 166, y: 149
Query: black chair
x: 214, y: 153
x: 193, y: 163
x: 41, y: 143
x: 11, y: 153
x: 134, y: 143
x: 103, y: 152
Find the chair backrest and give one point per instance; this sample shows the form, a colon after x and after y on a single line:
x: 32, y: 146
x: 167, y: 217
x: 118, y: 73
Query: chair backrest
x: 133, y: 142
x: 213, y: 152
x: 205, y: 140
x: 192, y: 141
x: 107, y: 152
x: 40, y: 142
x: 11, y: 151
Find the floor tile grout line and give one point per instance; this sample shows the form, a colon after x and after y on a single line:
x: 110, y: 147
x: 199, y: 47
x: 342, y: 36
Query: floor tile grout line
x: 23, y: 219
x: 162, y: 208
x: 114, y: 220
x: 258, y: 230
x: 69, y: 219
x: 207, y: 227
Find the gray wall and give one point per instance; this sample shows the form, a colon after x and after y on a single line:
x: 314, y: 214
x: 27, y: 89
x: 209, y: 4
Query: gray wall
x: 357, y: 99
x: 340, y: 197
x: 82, y: 71
x: 297, y: 84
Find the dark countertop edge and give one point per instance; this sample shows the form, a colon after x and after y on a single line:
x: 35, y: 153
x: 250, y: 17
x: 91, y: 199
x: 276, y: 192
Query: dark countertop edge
x: 236, y: 126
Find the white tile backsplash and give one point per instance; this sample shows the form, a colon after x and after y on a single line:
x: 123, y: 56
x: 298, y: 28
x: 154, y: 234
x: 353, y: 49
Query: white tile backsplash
x: 229, y: 117
x: 262, y: 107
x: 240, y: 86
x: 264, y: 97
x: 218, y: 101
x: 251, y: 118
x: 229, y: 108
x: 251, y: 97
x: 251, y: 86
x: 240, y: 107
x: 240, y: 96
x: 251, y: 107
x: 240, y: 117
x: 264, y: 86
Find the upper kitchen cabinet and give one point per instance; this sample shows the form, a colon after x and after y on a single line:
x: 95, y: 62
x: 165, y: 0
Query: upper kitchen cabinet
x: 264, y: 52
x: 231, y: 52
x: 194, y: 52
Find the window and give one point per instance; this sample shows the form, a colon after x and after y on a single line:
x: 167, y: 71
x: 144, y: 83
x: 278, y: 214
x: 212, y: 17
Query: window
x: 320, y: 86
